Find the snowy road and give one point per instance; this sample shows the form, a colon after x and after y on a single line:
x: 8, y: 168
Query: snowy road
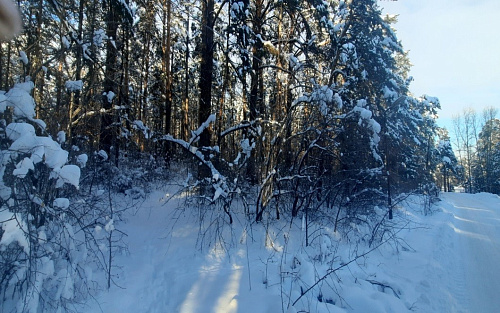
x: 449, y: 263
x: 476, y: 222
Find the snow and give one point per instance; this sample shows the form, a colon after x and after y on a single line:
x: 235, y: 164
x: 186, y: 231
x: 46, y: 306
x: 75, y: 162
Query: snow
x: 246, y: 148
x: 109, y: 226
x: 68, y: 174
x: 40, y: 148
x: 61, y: 137
x: 45, y: 270
x: 139, y: 125
x: 81, y: 160
x: 390, y: 94
x: 475, y: 230
x: 294, y: 62
x: 237, y: 7
x: 15, y: 130
x: 374, y: 126
x: 25, y: 144
x: 338, y: 100
x: 3, y: 102
x: 74, y: 85
x: 366, y: 118
x: 110, y: 95
x: 20, y: 99
x: 66, y: 285
x: 218, y: 192
x: 99, y: 38
x: 65, y: 42
x: 23, y: 57
x: 364, y: 113
x: 62, y: 203
x: 14, y: 230
x: 103, y: 155
x: 86, y: 52
x: 23, y: 167
x: 55, y: 157
x: 5, y: 191
x: 195, y: 134
x: 40, y: 123
x: 444, y: 262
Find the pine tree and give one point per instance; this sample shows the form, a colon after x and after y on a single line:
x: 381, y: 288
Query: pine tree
x: 485, y: 167
x: 448, y: 164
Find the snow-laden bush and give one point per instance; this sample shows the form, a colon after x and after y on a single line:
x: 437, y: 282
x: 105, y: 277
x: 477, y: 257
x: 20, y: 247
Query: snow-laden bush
x: 46, y: 247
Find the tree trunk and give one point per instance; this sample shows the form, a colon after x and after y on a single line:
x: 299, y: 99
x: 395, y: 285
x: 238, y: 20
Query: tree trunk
x: 7, y: 70
x: 36, y: 60
x: 110, y: 86
x: 206, y: 69
x: 75, y: 102
x: 166, y: 66
x: 185, y: 127
x: 256, y: 89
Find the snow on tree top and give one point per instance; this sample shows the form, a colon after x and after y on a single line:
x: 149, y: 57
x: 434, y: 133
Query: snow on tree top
x: 20, y: 99
x: 15, y: 130
x: 69, y: 174
x: 73, y: 86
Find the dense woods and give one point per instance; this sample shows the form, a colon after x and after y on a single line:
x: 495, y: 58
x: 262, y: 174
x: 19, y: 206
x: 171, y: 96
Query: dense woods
x: 294, y: 108
x: 288, y: 95
x: 477, y: 142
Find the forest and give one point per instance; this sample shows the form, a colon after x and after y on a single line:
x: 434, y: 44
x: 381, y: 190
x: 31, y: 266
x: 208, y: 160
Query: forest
x: 288, y: 109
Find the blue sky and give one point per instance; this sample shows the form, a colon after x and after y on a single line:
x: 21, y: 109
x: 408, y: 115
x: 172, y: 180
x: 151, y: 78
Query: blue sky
x: 455, y: 51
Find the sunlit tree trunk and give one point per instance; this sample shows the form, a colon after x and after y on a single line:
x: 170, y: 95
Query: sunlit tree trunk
x: 185, y: 127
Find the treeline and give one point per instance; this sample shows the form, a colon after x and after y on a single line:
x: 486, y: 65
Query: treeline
x: 307, y: 100
x: 477, y: 146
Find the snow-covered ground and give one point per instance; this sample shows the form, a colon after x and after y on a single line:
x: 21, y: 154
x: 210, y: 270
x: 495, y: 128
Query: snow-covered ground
x: 445, y: 262
x: 476, y: 227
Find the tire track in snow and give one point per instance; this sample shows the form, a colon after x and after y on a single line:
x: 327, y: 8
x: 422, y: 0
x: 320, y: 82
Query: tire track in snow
x: 447, y: 267
x: 476, y: 224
